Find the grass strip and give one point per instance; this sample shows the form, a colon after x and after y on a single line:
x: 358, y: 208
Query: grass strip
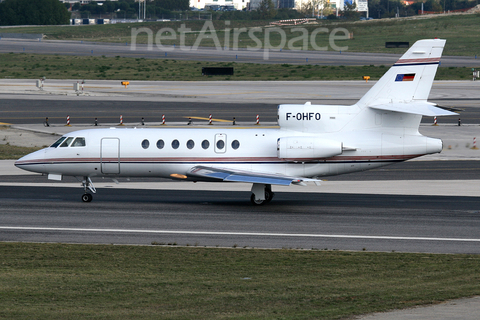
x: 33, y: 66
x: 461, y: 32
x: 61, y: 281
x: 9, y: 152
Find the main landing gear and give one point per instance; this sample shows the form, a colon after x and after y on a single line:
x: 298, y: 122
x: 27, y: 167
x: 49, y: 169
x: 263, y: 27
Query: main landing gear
x: 261, y: 194
x: 88, y: 186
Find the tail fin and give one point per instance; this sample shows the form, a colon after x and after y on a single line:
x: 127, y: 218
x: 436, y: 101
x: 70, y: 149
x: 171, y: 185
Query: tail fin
x: 410, y: 79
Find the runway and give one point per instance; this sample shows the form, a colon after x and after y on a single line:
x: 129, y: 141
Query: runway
x: 226, y: 219
x: 363, y: 211
x: 328, y: 58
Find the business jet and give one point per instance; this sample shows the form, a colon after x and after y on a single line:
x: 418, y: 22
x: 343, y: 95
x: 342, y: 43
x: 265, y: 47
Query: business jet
x: 309, y: 143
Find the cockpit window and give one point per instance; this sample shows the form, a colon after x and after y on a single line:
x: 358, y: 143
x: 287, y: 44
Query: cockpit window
x: 66, y: 143
x: 56, y: 143
x: 79, y: 142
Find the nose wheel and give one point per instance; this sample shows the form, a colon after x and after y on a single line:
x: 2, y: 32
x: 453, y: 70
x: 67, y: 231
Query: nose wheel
x: 87, y: 197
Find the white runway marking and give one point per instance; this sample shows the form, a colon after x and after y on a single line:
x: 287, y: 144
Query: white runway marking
x: 216, y: 233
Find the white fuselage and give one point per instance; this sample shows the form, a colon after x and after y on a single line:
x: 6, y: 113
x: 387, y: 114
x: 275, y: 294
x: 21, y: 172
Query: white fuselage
x: 153, y: 152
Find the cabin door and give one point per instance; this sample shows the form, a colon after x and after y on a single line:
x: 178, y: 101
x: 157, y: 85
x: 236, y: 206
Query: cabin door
x: 110, y: 155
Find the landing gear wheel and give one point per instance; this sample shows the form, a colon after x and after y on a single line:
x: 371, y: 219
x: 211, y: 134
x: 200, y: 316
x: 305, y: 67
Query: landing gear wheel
x: 87, y: 197
x: 257, y: 202
x: 268, y: 197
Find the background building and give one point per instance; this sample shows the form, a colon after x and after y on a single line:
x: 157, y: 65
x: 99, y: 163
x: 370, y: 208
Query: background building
x: 83, y: 1
x: 254, y: 4
x: 334, y: 4
x: 237, y: 4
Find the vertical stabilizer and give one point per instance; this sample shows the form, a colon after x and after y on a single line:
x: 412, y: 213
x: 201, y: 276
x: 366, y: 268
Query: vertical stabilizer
x: 410, y: 79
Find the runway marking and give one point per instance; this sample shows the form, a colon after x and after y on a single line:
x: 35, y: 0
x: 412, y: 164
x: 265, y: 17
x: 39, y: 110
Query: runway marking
x: 260, y: 234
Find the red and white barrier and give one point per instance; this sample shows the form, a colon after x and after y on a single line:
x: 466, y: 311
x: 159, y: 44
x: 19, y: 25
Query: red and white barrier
x: 258, y: 120
x: 163, y: 119
x: 121, y: 120
x: 435, y: 121
x: 210, y: 120
x: 474, y: 143
x: 68, y: 122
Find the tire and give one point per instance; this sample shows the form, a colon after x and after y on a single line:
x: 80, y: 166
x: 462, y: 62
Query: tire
x: 268, y: 196
x: 257, y: 202
x: 87, y: 197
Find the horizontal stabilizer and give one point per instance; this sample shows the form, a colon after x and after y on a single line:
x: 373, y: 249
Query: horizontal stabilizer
x: 421, y: 108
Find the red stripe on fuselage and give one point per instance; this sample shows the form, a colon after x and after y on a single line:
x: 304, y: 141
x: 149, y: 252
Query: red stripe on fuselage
x: 216, y: 159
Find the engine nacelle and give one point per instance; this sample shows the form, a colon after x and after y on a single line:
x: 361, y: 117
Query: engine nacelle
x: 307, y: 148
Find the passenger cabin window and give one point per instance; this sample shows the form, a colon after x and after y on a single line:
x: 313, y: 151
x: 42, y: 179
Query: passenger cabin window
x: 160, y: 144
x: 145, y: 144
x: 66, y: 143
x: 235, y: 144
x: 205, y: 144
x: 175, y: 144
x: 190, y: 144
x: 78, y: 142
x: 220, y: 144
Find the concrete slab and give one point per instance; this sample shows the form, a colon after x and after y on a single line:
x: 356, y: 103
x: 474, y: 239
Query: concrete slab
x: 460, y: 309
x: 222, y: 91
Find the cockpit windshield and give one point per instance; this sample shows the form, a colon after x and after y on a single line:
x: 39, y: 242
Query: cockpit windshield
x: 65, y: 142
x: 58, y: 142
x: 79, y: 142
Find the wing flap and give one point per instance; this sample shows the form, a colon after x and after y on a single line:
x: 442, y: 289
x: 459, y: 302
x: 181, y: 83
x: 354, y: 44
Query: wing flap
x: 210, y: 173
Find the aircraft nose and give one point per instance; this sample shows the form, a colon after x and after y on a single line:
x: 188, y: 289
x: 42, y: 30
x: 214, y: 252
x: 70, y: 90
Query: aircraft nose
x: 32, y: 162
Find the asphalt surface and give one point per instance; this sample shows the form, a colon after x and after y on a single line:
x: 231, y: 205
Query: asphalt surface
x: 21, y: 111
x: 22, y: 103
x: 14, y: 111
x: 85, y: 48
x: 292, y: 220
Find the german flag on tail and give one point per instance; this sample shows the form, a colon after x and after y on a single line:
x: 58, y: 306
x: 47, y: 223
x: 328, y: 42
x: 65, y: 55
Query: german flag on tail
x: 405, y: 77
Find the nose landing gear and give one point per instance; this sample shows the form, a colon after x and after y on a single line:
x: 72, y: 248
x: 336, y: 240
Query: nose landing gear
x: 88, y: 186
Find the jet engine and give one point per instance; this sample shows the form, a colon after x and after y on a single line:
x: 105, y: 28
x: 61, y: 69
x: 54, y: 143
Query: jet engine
x: 307, y: 148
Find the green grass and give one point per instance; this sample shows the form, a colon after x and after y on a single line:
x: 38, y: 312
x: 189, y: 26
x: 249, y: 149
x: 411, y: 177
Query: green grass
x: 32, y: 66
x: 57, y: 281
x: 461, y: 32
x: 9, y: 152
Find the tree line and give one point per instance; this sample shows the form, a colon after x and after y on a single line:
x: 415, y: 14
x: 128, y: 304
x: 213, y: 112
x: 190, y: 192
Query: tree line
x: 390, y: 8
x: 53, y: 12
x: 33, y: 12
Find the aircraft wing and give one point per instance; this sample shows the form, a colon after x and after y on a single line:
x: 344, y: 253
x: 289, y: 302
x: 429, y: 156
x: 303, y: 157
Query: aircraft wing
x: 220, y: 174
